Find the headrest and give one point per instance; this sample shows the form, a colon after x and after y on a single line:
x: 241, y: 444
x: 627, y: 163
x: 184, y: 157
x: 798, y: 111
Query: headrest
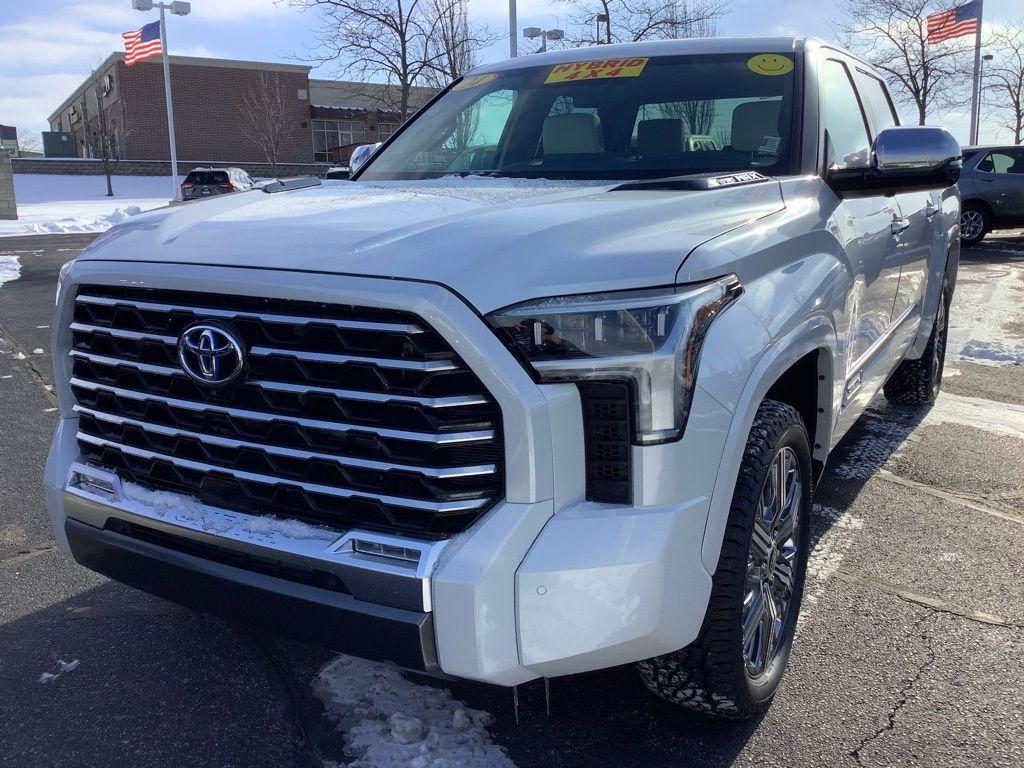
x: 663, y: 136
x: 752, y: 121
x: 574, y: 133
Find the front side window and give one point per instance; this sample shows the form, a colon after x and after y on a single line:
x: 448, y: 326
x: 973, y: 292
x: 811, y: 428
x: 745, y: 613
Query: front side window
x: 848, y: 142
x: 1006, y: 161
x: 606, y: 119
x: 877, y: 100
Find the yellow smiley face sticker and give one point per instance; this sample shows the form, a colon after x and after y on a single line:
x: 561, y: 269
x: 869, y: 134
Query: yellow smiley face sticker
x: 770, y: 64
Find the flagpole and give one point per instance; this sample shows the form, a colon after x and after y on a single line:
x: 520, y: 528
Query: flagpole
x: 170, y: 105
x: 976, y: 88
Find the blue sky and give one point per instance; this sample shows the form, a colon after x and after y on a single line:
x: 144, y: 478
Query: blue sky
x: 47, y: 46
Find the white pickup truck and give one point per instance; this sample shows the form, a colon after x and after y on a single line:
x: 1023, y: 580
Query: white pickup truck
x: 545, y: 389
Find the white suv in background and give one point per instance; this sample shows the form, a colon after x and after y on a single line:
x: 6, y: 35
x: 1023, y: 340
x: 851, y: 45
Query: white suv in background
x: 559, y: 410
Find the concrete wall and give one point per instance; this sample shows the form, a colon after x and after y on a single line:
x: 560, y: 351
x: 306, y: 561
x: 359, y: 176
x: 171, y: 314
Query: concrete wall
x: 89, y: 167
x: 8, y: 207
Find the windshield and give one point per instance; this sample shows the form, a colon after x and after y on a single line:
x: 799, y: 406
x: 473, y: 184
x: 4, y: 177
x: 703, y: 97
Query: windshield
x: 605, y: 119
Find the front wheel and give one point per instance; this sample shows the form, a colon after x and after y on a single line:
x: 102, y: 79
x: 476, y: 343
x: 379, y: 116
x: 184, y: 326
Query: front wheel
x: 736, y: 663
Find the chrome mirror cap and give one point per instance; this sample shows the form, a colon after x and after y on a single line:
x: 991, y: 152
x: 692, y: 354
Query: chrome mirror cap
x: 360, y: 155
x: 915, y: 149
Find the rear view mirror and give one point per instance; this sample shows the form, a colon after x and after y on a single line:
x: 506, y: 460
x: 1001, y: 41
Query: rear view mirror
x: 903, y: 159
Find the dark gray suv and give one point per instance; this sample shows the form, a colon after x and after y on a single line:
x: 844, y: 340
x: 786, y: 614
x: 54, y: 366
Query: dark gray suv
x: 992, y: 191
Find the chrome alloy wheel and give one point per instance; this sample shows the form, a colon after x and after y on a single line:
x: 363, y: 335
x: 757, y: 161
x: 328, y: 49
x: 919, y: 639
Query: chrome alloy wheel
x: 771, y: 563
x: 972, y: 225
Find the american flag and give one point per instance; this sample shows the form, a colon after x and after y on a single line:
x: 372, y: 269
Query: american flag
x: 956, y: 22
x: 142, y: 43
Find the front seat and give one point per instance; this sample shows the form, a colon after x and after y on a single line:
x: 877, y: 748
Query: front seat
x: 659, y: 137
x: 751, y: 122
x: 573, y: 133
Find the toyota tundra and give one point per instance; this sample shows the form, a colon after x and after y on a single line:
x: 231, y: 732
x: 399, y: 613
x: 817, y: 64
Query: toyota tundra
x: 545, y: 389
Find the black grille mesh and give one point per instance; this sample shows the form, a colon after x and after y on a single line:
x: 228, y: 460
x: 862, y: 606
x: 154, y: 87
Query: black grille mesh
x: 608, y: 436
x: 143, y: 417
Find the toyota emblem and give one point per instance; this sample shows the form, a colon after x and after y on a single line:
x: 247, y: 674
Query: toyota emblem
x: 210, y: 354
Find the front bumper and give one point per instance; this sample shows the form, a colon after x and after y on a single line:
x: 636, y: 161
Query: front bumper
x: 543, y: 584
x: 337, y: 621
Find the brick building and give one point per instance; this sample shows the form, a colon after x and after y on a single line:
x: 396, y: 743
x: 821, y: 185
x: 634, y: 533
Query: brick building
x: 210, y: 110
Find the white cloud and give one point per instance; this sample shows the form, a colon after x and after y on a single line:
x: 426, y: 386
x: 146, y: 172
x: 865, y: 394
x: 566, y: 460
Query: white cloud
x: 27, y: 101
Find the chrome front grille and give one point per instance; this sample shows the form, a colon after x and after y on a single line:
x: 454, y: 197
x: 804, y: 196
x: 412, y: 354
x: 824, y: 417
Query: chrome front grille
x: 347, y: 416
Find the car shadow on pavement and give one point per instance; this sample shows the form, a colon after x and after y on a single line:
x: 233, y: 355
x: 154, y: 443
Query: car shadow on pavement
x: 114, y: 677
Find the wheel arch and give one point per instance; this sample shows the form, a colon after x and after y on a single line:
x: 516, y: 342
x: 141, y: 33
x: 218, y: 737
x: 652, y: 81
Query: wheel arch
x: 798, y: 369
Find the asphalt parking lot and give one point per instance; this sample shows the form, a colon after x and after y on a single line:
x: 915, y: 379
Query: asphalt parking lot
x: 908, y: 651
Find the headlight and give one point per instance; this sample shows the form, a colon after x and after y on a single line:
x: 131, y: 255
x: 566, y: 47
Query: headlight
x: 650, y: 338
x: 64, y: 269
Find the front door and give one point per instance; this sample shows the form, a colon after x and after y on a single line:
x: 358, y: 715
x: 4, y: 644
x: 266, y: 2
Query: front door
x: 867, y: 228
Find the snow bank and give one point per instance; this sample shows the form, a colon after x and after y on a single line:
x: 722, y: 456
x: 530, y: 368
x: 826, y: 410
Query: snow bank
x: 389, y: 721
x: 10, y: 268
x: 60, y: 204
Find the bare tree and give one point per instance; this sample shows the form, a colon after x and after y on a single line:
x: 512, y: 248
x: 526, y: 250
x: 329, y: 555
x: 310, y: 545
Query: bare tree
x: 892, y: 36
x: 106, y: 125
x: 28, y: 142
x: 452, y: 50
x: 397, y: 40
x: 598, y: 22
x: 266, y: 120
x: 1004, y: 77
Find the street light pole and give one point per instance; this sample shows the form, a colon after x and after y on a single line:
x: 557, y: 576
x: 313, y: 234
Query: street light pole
x: 178, y: 8
x: 513, y: 42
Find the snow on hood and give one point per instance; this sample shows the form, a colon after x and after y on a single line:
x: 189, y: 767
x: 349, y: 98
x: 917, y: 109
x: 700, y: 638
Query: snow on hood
x: 494, y: 241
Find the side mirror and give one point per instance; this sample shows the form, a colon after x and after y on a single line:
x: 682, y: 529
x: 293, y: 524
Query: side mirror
x: 903, y: 159
x: 360, y: 155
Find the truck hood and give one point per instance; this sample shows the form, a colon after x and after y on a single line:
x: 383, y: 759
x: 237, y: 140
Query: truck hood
x: 494, y: 241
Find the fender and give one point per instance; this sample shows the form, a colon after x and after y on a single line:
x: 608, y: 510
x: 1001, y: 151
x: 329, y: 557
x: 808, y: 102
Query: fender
x: 816, y: 333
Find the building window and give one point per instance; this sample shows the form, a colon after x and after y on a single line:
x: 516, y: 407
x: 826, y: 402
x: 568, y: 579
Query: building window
x: 385, y: 130
x: 328, y: 134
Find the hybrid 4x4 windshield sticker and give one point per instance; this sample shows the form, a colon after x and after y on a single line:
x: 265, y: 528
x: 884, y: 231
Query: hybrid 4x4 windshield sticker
x: 770, y: 64
x: 598, y: 69
x: 473, y: 82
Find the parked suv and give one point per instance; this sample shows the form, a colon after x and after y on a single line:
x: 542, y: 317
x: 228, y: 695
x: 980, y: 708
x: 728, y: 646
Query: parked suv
x: 560, y: 411
x: 992, y: 191
x: 204, y: 182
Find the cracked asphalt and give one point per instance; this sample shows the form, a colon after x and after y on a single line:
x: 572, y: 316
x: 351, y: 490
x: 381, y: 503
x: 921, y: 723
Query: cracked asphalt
x: 908, y: 650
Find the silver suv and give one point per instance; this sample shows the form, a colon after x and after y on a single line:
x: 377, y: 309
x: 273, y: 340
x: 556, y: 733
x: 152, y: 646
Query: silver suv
x: 545, y: 389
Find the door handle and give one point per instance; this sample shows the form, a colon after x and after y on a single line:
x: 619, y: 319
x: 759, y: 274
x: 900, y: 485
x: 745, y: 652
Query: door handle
x: 930, y: 210
x: 899, y: 226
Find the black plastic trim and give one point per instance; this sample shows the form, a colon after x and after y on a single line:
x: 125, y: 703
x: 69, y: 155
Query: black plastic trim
x: 337, y: 621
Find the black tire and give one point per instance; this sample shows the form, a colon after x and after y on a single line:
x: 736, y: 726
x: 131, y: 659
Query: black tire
x: 917, y: 382
x: 711, y: 674
x: 975, y: 223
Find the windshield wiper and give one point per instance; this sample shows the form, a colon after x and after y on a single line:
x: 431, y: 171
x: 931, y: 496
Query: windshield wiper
x: 695, y: 181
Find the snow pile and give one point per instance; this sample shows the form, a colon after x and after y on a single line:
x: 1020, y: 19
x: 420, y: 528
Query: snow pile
x: 49, y: 204
x: 63, y: 667
x: 389, y: 721
x: 10, y: 269
x: 188, y: 509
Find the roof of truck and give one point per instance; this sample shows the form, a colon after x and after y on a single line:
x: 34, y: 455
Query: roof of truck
x: 652, y: 48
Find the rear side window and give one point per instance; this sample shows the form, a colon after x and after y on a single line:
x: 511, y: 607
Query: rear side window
x: 1005, y: 161
x: 844, y: 120
x: 872, y: 90
x: 207, y: 177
